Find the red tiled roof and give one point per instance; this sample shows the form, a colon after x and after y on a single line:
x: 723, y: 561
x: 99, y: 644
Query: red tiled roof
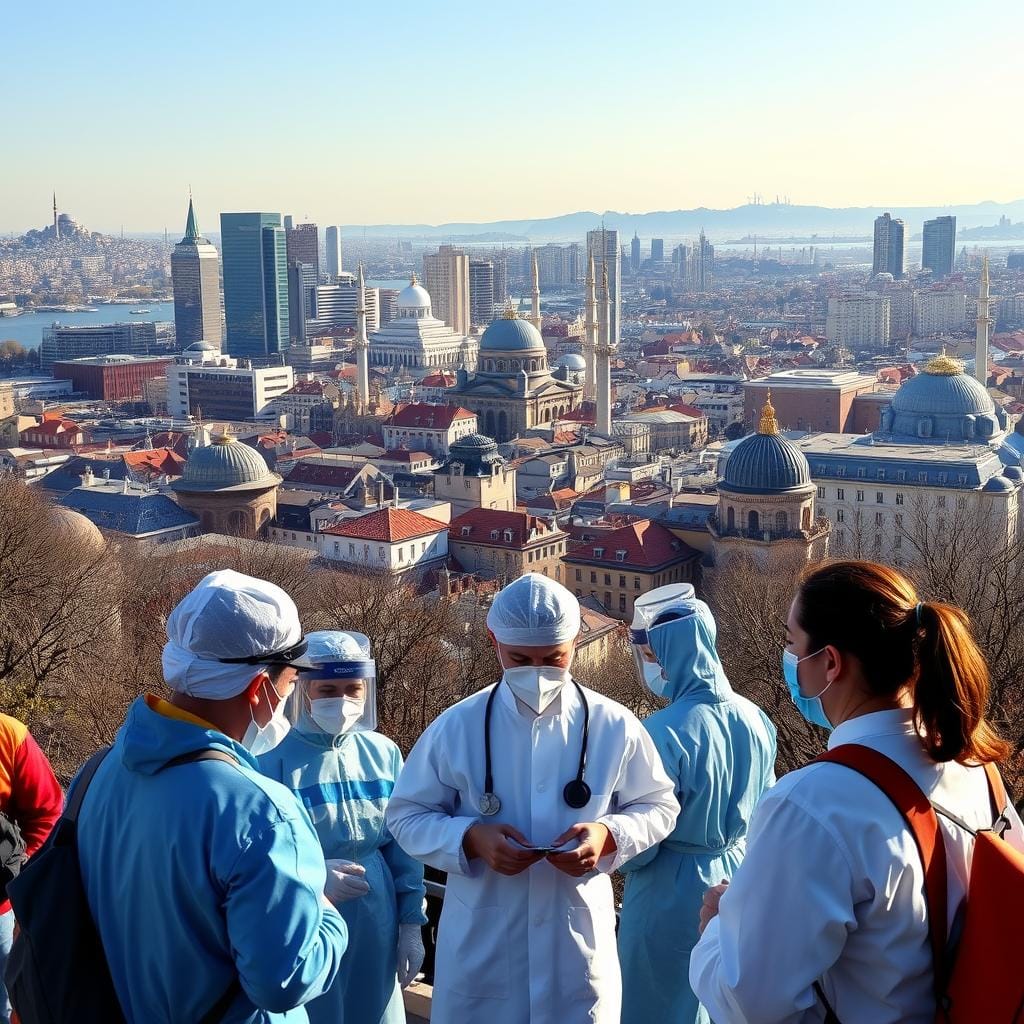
x: 51, y: 427
x: 306, y: 387
x: 429, y: 417
x: 584, y: 414
x: 387, y: 524
x: 686, y: 410
x: 403, y: 455
x: 646, y: 544
x: 322, y: 475
x: 557, y: 500
x: 175, y: 439
x: 437, y: 380
x: 156, y: 462
x: 482, y: 521
x: 321, y: 438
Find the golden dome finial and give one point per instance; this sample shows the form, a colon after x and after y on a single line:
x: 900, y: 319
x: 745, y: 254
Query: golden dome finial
x: 226, y: 436
x: 943, y: 366
x: 413, y: 279
x: 769, y: 424
x: 511, y: 311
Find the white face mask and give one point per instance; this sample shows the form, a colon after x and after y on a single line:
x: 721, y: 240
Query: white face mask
x: 654, y: 678
x: 258, y: 739
x: 536, y: 685
x: 336, y: 715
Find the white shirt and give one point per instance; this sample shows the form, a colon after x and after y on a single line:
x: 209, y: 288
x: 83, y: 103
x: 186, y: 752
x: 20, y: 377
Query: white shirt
x: 538, y: 946
x: 832, y: 889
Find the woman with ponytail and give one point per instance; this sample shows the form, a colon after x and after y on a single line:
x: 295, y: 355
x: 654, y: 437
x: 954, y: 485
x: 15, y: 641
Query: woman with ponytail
x: 827, y: 918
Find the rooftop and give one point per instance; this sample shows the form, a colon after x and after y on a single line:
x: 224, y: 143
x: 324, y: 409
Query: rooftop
x: 513, y: 529
x: 428, y: 417
x: 134, y: 511
x: 642, y: 545
x: 392, y: 525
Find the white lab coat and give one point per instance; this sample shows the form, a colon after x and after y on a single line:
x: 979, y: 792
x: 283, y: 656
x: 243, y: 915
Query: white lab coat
x: 539, y: 947
x: 832, y: 888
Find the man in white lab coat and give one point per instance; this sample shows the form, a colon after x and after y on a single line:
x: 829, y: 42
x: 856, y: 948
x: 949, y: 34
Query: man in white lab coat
x: 527, y: 933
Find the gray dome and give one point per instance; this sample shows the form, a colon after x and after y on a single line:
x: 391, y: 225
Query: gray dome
x: 511, y: 334
x: 572, y: 361
x: 944, y: 403
x: 477, y: 453
x: 225, y: 465
x: 999, y: 484
x: 766, y: 462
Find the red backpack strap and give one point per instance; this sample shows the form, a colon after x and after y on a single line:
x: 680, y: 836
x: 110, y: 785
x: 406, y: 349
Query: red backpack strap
x: 917, y: 811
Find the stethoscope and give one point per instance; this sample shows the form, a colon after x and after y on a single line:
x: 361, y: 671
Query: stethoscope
x: 576, y: 793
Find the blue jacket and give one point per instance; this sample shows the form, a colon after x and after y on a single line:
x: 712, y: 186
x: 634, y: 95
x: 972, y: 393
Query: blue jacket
x: 201, y: 873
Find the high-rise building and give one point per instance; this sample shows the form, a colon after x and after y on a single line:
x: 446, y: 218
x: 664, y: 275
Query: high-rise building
x: 889, y: 246
x: 657, y: 250
x: 337, y: 305
x: 481, y: 292
x: 298, y: 301
x: 255, y: 283
x: 387, y: 299
x: 681, y: 260
x: 303, y: 244
x: 634, y: 253
x: 61, y: 344
x: 939, y: 311
x: 446, y: 278
x: 939, y: 246
x: 984, y: 325
x: 603, y: 244
x: 333, y: 252
x: 289, y: 222
x: 559, y: 265
x: 859, y: 320
x: 703, y: 265
x: 195, y: 277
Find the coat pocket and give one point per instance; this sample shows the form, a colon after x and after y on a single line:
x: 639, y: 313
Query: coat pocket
x: 588, y: 959
x: 472, y: 953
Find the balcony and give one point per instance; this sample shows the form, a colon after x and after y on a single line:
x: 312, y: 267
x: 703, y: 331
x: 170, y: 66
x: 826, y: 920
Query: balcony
x: 767, y: 532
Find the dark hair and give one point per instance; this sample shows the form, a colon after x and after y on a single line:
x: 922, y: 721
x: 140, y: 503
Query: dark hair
x: 872, y: 612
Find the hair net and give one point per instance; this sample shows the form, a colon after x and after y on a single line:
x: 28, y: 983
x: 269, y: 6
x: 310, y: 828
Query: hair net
x: 228, y: 615
x: 534, y: 611
x: 337, y: 645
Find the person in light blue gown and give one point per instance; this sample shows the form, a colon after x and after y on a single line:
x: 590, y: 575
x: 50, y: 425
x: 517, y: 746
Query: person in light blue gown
x: 719, y: 749
x: 343, y: 773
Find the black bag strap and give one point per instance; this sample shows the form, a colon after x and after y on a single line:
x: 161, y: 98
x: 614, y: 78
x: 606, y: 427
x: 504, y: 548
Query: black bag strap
x: 84, y: 779
x: 208, y: 754
x: 830, y: 1014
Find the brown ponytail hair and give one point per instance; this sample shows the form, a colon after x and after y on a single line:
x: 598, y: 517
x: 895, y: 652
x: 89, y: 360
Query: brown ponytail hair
x: 872, y: 612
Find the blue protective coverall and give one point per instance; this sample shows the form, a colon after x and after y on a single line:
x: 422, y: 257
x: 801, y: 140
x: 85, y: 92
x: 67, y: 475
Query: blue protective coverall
x: 201, y: 873
x: 719, y: 749
x: 344, y: 782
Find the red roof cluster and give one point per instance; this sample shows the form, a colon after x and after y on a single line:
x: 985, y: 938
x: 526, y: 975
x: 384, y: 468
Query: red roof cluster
x: 155, y: 462
x: 441, y: 379
x: 320, y: 475
x: 644, y: 545
x: 481, y: 523
x: 392, y: 525
x: 428, y: 417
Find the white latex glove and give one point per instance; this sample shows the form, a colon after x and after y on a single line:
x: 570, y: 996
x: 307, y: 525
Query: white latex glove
x: 345, y: 881
x: 410, y: 953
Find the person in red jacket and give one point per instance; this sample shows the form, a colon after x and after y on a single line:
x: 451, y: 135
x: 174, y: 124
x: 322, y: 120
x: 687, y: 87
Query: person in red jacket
x: 31, y: 797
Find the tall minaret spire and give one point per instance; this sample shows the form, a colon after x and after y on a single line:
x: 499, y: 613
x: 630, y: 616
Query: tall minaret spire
x: 56, y: 223
x: 984, y: 323
x: 603, y: 359
x: 535, y: 312
x: 362, y: 347
x: 590, y: 327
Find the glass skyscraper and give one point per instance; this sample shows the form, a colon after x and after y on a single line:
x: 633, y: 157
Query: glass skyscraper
x: 195, y: 278
x: 939, y: 246
x: 889, y: 246
x: 255, y: 284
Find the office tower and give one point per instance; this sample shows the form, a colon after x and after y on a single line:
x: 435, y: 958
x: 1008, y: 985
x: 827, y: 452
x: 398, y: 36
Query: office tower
x: 298, y: 301
x: 337, y: 305
x: 603, y: 244
x: 195, y: 278
x: 387, y: 299
x: 634, y: 253
x: 446, y: 278
x: 657, y: 250
x: 939, y: 246
x: 62, y: 344
x: 681, y: 262
x: 255, y: 284
x: 859, y: 320
x: 984, y: 323
x: 333, y: 253
x: 703, y: 261
x: 303, y: 244
x: 889, y: 246
x: 362, y: 347
x: 288, y: 222
x: 481, y: 292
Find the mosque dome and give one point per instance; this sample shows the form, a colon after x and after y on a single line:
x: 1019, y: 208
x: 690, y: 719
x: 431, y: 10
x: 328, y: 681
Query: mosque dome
x: 766, y: 462
x: 476, y: 452
x: 76, y: 528
x: 511, y: 333
x: 413, y: 296
x: 225, y: 465
x: 572, y: 361
x: 944, y: 403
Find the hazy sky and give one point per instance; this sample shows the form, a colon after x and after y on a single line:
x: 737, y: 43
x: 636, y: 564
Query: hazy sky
x: 399, y: 112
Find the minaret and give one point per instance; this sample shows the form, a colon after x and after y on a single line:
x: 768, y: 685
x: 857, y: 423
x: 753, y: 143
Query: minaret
x: 56, y: 224
x: 603, y: 360
x: 984, y: 322
x: 590, y: 327
x: 535, y: 317
x: 362, y: 347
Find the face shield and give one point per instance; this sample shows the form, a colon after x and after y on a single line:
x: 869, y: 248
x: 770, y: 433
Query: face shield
x: 339, y: 693
x: 661, y: 605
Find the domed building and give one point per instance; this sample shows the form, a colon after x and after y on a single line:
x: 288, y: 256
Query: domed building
x: 943, y: 404
x: 513, y: 388
x: 416, y: 341
x: 229, y: 487
x: 766, y: 497
x: 475, y: 476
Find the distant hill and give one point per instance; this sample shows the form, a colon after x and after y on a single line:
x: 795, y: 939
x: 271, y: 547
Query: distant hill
x: 765, y: 220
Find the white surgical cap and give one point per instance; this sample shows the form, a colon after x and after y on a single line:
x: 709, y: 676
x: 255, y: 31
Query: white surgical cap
x: 534, y: 611
x: 228, y: 615
x: 337, y: 645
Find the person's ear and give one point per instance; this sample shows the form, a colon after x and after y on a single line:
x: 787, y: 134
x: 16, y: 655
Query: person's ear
x: 834, y: 663
x: 252, y: 691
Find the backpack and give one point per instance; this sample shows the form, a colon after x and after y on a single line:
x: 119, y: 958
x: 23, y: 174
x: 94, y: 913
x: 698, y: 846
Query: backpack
x: 981, y: 979
x: 12, y: 851
x: 57, y: 961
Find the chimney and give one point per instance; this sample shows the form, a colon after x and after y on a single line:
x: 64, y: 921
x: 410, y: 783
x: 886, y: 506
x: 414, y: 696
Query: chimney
x: 380, y: 492
x: 394, y: 488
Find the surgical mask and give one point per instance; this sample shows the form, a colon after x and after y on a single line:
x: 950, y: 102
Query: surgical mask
x: 258, y: 739
x: 810, y: 707
x: 336, y: 715
x: 536, y: 685
x: 654, y: 678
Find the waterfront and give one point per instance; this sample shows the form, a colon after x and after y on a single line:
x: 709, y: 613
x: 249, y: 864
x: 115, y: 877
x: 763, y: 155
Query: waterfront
x: 28, y: 328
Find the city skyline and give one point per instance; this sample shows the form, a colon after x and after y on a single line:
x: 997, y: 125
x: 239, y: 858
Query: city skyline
x: 807, y: 108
